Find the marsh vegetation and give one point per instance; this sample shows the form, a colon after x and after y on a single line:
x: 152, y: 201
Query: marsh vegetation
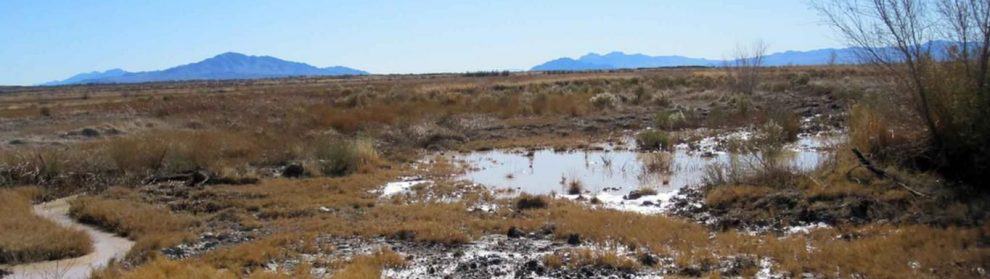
x: 872, y: 170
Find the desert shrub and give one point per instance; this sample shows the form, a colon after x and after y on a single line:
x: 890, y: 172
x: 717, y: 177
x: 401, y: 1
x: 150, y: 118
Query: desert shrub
x: 798, y: 79
x: 874, y: 133
x: 654, y: 140
x: 946, y: 87
x: 745, y: 73
x: 26, y: 237
x: 656, y: 162
x: 575, y: 187
x: 64, y: 169
x: 604, y: 100
x: 525, y: 202
x: 343, y: 157
x: 137, y: 155
x: 788, y: 122
x: 667, y: 120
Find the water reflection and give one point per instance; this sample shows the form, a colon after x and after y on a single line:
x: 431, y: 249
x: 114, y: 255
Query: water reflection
x: 620, y: 171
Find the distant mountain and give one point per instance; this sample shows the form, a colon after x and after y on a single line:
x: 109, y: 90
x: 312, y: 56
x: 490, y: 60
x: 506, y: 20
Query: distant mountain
x: 94, y: 75
x: 568, y: 64
x: 228, y: 65
x: 619, y: 60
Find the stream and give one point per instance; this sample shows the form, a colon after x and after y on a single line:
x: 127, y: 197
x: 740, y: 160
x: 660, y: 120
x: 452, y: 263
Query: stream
x: 106, y: 247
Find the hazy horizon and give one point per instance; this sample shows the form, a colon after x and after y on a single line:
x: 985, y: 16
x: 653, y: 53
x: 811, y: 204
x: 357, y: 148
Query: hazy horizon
x: 54, y: 40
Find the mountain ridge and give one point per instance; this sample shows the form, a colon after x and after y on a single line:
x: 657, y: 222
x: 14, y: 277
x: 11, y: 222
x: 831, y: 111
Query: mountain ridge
x: 224, y: 66
x: 621, y: 60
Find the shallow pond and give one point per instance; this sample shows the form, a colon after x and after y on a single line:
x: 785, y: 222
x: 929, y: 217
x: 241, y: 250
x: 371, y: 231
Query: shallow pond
x: 616, y: 170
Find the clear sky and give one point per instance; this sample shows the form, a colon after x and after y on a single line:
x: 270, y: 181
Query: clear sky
x: 44, y: 40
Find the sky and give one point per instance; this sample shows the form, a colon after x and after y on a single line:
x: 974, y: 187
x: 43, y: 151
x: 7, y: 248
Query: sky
x: 45, y: 40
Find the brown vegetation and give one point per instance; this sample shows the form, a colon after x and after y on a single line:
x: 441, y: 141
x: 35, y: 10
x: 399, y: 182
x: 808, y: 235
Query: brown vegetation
x: 370, y: 266
x: 26, y: 237
x: 151, y: 227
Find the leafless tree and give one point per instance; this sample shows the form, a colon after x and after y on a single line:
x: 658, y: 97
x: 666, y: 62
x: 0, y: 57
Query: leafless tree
x: 968, y: 22
x: 944, y: 79
x: 745, y: 68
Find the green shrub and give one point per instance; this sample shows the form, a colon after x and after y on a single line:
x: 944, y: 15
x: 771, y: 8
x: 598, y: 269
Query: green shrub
x: 667, y: 120
x: 337, y: 158
x: 653, y: 140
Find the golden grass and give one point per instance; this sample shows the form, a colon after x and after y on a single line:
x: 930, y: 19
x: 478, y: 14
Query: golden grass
x: 662, y: 234
x: 151, y: 227
x: 255, y: 254
x: 26, y: 237
x: 584, y: 257
x: 370, y: 266
x: 876, y: 251
x: 730, y: 194
x: 165, y: 269
x: 240, y: 126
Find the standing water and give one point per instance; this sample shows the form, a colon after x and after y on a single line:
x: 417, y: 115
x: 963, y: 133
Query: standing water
x: 612, y: 174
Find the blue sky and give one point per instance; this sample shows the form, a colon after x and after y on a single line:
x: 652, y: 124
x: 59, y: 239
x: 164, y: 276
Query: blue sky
x: 44, y: 40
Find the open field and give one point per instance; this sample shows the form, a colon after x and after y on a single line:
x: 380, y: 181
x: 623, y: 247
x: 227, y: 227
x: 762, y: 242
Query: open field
x: 354, y: 177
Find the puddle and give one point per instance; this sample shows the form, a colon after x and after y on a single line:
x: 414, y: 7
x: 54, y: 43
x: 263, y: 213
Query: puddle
x: 401, y: 186
x: 613, y: 173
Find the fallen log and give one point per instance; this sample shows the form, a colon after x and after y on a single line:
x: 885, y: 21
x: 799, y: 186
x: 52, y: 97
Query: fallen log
x: 879, y: 173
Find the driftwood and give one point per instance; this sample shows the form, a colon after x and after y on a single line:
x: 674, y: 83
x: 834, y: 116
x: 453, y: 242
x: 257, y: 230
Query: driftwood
x: 866, y: 163
x: 199, y: 178
x: 192, y: 178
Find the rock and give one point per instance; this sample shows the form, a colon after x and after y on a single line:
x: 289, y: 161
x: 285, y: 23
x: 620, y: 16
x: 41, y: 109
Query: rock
x: 691, y: 271
x: 574, y: 239
x: 405, y: 235
x: 514, y: 233
x: 293, y: 171
x: 90, y: 132
x: 595, y: 200
x: 198, y: 178
x: 534, y: 266
x: 648, y: 260
x: 636, y: 194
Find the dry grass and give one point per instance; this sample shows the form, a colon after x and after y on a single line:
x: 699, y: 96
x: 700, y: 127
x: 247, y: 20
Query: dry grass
x: 26, y: 237
x: 875, y: 133
x: 164, y: 269
x: 254, y: 255
x: 601, y: 259
x: 875, y: 252
x: 151, y: 227
x: 242, y: 127
x: 530, y: 202
x: 370, y: 266
x: 728, y: 195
